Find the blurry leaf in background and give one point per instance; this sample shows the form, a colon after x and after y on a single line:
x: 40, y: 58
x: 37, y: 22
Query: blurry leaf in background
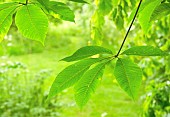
x: 129, y: 76
x: 145, y: 51
x: 87, y: 51
x: 145, y: 15
x: 62, y: 10
x: 97, y: 22
x: 161, y: 11
x: 80, y: 1
x: 6, y: 12
x: 32, y: 22
x: 88, y: 84
x: 70, y: 75
x: 44, y: 3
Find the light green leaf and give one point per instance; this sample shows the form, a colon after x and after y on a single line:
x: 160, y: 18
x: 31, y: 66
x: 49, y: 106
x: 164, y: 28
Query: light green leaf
x: 6, y: 12
x: 70, y: 75
x: 145, y: 51
x: 129, y: 76
x: 161, y: 11
x: 87, y: 51
x: 63, y: 10
x: 88, y: 84
x: 80, y: 1
x: 32, y: 22
x: 145, y: 15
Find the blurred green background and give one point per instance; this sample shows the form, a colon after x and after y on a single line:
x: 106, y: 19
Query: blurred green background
x: 27, y: 70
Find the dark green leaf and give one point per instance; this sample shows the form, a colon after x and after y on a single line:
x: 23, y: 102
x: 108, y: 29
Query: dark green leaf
x: 80, y: 1
x: 32, y: 22
x: 44, y: 3
x: 63, y: 10
x: 87, y: 51
x: 70, y: 75
x: 88, y: 84
x: 6, y: 12
x: 129, y: 76
x: 145, y: 51
x: 161, y: 11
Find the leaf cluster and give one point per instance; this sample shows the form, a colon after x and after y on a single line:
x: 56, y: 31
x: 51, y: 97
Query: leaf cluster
x: 86, y: 74
x: 31, y: 17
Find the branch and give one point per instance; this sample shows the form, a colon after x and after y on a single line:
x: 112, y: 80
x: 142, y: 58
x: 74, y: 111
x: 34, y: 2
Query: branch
x: 129, y: 29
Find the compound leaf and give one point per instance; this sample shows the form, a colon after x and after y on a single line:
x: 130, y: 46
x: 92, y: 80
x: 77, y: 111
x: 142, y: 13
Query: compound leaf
x: 88, y: 84
x: 32, y: 22
x: 87, y: 51
x: 6, y: 12
x: 70, y: 75
x: 128, y: 76
x: 62, y: 10
x: 145, y: 51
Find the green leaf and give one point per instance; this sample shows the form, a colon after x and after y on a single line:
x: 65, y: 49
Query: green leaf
x: 44, y: 3
x: 161, y: 11
x: 129, y: 76
x: 145, y: 51
x: 87, y: 51
x: 6, y: 12
x: 32, y: 22
x: 80, y: 1
x: 145, y: 15
x: 63, y: 10
x: 70, y: 75
x: 88, y: 84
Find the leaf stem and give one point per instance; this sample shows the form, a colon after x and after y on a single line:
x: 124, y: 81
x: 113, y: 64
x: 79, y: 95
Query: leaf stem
x: 129, y: 29
x: 26, y: 2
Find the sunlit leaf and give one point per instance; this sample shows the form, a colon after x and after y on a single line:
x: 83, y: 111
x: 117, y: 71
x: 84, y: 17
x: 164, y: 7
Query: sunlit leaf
x: 87, y: 51
x: 63, y: 10
x: 129, y: 76
x: 32, y: 22
x: 70, y: 75
x: 88, y: 84
x: 145, y: 51
x: 6, y: 12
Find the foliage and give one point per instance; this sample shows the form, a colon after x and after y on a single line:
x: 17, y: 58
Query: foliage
x: 33, y: 16
x: 118, y: 11
x: 18, y: 100
x: 130, y: 70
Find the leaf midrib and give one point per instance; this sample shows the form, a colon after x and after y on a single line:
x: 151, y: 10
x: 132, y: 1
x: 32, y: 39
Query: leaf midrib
x: 29, y: 14
x: 94, y: 77
x: 127, y: 78
x: 76, y: 74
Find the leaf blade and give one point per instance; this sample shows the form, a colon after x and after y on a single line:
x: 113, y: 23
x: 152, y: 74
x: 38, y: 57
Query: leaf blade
x: 161, y: 11
x: 145, y: 15
x: 129, y: 76
x: 145, y: 51
x: 63, y: 10
x: 85, y: 52
x: 88, y: 84
x: 6, y: 13
x: 70, y: 75
x: 32, y: 22
x: 79, y: 1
